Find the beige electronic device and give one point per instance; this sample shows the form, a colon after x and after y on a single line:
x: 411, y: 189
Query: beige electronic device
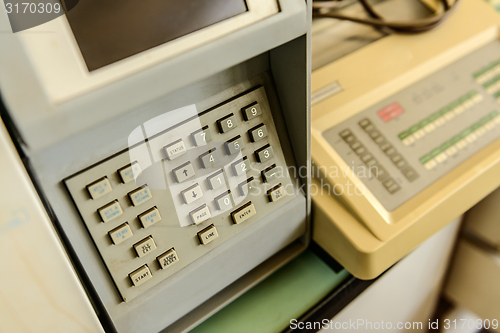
x: 405, y: 138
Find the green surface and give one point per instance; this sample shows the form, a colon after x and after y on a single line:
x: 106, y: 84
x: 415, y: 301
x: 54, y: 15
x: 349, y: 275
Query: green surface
x: 270, y: 305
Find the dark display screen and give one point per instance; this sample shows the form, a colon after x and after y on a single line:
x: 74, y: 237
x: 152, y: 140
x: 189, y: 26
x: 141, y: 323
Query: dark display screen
x: 110, y: 30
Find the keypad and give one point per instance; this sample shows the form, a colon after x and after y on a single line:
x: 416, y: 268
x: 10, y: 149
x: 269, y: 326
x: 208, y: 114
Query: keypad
x: 208, y: 166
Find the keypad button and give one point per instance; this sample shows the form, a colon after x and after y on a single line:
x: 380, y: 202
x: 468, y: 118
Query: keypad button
x: 385, y: 146
x: 141, y: 275
x: 120, y: 234
x: 390, y: 151
x: 391, y: 185
x: 223, y: 201
x: 396, y: 158
x: 243, y: 213
x: 140, y: 195
x: 200, y: 214
x: 99, y: 188
x: 207, y: 235
x: 128, y: 173
x: 374, y: 135
x: 355, y: 145
x: 110, y: 211
x: 349, y: 138
x: 380, y: 140
x: 410, y: 174
x: 192, y: 194
x: 369, y: 128
x: 401, y: 164
x: 216, y: 180
x: 360, y: 151
x: 258, y: 132
x: 240, y: 167
x: 270, y: 173
x: 150, y: 217
x: 145, y: 246
x: 246, y: 186
x: 167, y: 259
x: 183, y: 172
x: 371, y: 162
x: 366, y: 158
x: 202, y: 136
x: 175, y: 149
x: 264, y: 154
x: 235, y: 145
x: 365, y: 122
x: 345, y: 133
x: 227, y: 123
x: 380, y: 173
x: 209, y: 159
x: 276, y: 193
x: 251, y: 111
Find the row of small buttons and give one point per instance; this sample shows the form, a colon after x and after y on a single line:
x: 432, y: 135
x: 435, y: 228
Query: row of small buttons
x: 460, y: 141
x: 113, y: 209
x: 102, y: 186
x: 486, y: 73
x: 123, y: 232
x: 439, y: 118
x: 369, y: 161
x: 389, y: 150
x: 143, y: 273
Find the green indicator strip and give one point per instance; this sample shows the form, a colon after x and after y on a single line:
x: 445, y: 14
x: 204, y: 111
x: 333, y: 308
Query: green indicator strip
x: 475, y: 127
x: 425, y: 159
x: 436, y: 152
x: 456, y: 139
x: 484, y: 121
x: 435, y: 116
x: 424, y: 123
x: 414, y: 128
x: 446, y: 145
x: 465, y: 133
x: 497, y: 94
x: 404, y: 135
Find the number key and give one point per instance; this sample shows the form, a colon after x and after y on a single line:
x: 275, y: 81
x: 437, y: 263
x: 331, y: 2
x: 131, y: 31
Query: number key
x: 251, y: 111
x: 241, y: 166
x: 202, y: 136
x: 227, y: 123
x: 234, y: 145
x: 257, y: 133
x: 265, y: 153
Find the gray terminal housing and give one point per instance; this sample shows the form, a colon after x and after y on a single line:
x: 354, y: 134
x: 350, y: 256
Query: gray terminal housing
x: 267, y: 62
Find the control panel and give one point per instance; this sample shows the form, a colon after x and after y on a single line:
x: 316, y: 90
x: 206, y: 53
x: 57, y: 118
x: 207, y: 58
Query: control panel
x: 403, y: 144
x: 189, y: 181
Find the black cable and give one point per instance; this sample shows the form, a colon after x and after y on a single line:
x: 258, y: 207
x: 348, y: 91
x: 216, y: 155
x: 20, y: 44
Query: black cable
x: 377, y: 20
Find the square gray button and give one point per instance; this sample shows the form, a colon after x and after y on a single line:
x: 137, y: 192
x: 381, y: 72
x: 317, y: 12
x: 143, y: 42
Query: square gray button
x: 210, y: 158
x: 251, y: 111
x: 202, y: 136
x: 227, y: 123
x: 183, y: 172
x: 270, y: 174
x: 223, y: 201
x: 216, y: 180
x: 258, y: 132
x: 246, y: 186
x: 264, y: 154
x: 234, y: 145
x: 241, y: 166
